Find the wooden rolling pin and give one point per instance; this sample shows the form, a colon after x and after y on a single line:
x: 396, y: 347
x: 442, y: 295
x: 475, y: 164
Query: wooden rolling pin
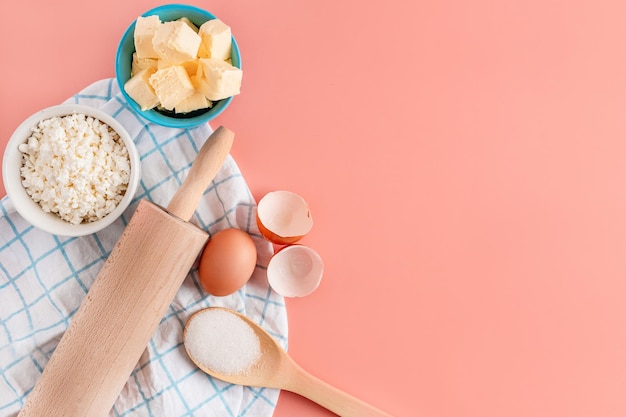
x: 128, y: 299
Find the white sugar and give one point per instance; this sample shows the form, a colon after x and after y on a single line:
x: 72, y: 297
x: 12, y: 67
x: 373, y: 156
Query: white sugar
x: 221, y: 341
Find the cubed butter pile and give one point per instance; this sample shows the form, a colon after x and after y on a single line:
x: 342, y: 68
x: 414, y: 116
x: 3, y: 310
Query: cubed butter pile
x: 180, y: 67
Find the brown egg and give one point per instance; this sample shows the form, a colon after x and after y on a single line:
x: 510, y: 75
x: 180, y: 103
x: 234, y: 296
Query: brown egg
x: 227, y: 262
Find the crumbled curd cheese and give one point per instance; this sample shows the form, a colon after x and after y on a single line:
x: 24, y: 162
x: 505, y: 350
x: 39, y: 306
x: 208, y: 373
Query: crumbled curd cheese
x: 75, y: 166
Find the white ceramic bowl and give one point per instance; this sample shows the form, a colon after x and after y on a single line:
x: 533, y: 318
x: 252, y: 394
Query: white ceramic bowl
x: 32, y: 211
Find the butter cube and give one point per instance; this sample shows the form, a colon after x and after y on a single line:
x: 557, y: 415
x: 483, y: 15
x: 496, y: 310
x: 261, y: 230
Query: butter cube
x: 216, y: 40
x: 171, y: 85
x: 196, y: 101
x: 141, y: 64
x: 139, y: 89
x: 176, y: 42
x: 189, y: 23
x: 145, y: 28
x: 218, y: 79
x: 190, y: 66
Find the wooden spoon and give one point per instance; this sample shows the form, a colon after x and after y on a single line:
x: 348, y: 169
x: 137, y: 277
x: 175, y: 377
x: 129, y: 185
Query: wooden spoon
x: 276, y: 369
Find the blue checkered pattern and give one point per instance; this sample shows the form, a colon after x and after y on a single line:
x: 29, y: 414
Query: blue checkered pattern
x: 44, y: 278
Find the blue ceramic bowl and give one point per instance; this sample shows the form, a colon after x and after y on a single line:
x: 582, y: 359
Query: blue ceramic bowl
x: 124, y: 59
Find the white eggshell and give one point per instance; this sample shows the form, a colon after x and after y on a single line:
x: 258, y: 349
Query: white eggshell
x: 283, y: 217
x: 295, y: 271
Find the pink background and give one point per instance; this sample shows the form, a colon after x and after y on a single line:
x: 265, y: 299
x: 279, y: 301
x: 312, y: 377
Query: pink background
x: 465, y: 163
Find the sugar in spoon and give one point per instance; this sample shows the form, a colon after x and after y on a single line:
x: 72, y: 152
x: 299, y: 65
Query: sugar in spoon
x: 269, y: 367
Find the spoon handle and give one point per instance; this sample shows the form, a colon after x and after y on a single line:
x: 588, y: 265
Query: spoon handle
x: 328, y: 396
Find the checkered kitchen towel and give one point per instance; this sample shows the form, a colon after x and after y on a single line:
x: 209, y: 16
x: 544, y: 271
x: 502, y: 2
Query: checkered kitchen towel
x: 44, y: 278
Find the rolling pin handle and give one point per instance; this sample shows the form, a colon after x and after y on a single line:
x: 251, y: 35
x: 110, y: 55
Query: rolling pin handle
x: 206, y: 164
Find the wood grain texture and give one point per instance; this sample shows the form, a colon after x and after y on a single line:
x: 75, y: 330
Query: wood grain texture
x: 206, y: 164
x: 276, y: 369
x: 115, y: 322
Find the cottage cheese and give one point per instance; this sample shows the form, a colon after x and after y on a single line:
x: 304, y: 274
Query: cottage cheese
x: 76, y: 167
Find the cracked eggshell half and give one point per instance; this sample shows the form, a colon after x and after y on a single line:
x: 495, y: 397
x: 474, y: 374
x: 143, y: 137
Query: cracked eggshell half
x: 295, y: 271
x: 283, y: 217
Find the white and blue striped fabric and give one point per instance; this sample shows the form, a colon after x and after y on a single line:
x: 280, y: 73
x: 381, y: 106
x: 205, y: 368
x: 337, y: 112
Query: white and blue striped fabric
x: 44, y: 278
